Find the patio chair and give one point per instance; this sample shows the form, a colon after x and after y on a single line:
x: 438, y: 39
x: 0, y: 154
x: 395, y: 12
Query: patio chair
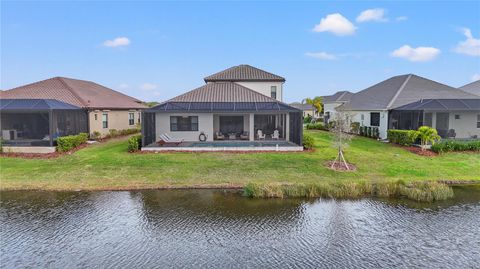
x: 260, y: 135
x: 219, y: 136
x: 168, y: 139
x: 244, y: 136
x: 276, y: 135
x: 451, y: 133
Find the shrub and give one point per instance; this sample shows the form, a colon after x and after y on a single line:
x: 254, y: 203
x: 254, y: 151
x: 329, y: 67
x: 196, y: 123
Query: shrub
x: 427, y: 135
x: 308, y: 141
x: 452, y: 145
x: 315, y: 126
x: 95, y: 135
x: 402, y: 137
x: 1, y: 145
x: 66, y: 143
x: 307, y: 119
x: 355, y: 127
x: 331, y: 124
x: 134, y: 143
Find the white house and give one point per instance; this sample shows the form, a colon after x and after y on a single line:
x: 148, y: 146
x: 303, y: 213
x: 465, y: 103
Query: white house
x: 383, y: 105
x: 240, y: 106
x: 331, y: 102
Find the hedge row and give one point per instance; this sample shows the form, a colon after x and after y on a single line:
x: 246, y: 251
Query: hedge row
x: 316, y: 126
x: 369, y: 131
x: 66, y: 143
x: 452, y: 145
x: 116, y: 133
x: 134, y: 143
x: 402, y: 137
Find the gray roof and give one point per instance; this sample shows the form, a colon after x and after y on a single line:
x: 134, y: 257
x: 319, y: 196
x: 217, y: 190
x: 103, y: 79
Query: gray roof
x: 302, y: 107
x: 340, y: 96
x: 473, y: 88
x: 443, y: 105
x: 222, y: 92
x: 401, y: 90
x: 243, y: 73
x: 34, y: 104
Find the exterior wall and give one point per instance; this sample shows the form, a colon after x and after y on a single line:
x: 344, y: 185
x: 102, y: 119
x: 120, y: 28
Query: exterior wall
x: 40, y: 150
x: 330, y: 108
x: 265, y: 88
x: 465, y: 127
x: 117, y: 119
x: 356, y: 116
x: 205, y: 125
x: 310, y: 113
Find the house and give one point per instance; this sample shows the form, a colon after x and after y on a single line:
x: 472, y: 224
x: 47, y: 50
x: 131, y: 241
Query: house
x: 383, y: 105
x: 239, y: 108
x: 333, y: 101
x: 473, y: 88
x: 307, y: 109
x: 31, y: 125
x: 107, y: 109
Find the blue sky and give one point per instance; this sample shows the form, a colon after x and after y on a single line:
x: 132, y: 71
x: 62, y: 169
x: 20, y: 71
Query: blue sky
x: 156, y: 50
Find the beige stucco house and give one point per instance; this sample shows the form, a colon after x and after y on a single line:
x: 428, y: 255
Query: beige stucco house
x: 107, y: 109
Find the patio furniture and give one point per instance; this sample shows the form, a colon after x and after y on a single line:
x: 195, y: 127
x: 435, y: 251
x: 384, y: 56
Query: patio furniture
x: 219, y: 136
x: 244, y: 136
x: 451, y: 133
x: 232, y: 136
x: 276, y: 135
x: 260, y: 135
x: 168, y: 139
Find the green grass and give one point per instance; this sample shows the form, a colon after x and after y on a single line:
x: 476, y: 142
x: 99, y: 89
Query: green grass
x: 109, y: 166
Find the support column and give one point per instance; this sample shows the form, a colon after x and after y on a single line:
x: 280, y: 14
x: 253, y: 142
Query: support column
x: 251, y: 128
x: 287, y: 132
x: 50, y: 126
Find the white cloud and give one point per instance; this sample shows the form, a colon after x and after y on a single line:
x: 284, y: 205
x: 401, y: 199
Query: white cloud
x: 419, y: 54
x: 401, y: 18
x: 123, y: 86
x: 321, y: 55
x: 117, y: 42
x: 336, y: 24
x: 471, y: 46
x: 374, y: 14
x: 148, y: 86
x: 476, y: 77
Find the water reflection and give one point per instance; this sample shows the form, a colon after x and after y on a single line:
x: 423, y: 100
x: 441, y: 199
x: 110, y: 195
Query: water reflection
x: 199, y: 228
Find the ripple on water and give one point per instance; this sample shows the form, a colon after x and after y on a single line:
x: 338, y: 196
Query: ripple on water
x: 222, y: 229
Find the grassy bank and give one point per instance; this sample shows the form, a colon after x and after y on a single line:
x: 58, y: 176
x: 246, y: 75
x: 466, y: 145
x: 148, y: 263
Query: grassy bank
x: 108, y: 166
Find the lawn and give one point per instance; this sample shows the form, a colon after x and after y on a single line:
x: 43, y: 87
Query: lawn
x: 109, y: 166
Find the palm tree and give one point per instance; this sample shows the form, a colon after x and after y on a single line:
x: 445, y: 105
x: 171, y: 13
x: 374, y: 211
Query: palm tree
x: 316, y: 102
x: 427, y: 135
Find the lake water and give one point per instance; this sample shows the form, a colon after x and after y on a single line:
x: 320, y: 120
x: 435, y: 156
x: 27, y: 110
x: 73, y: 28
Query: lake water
x: 214, y: 228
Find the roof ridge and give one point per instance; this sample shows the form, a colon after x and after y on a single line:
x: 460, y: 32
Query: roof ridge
x: 61, y: 79
x: 398, y: 91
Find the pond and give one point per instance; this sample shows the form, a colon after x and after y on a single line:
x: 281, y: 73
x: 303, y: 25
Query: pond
x: 218, y: 228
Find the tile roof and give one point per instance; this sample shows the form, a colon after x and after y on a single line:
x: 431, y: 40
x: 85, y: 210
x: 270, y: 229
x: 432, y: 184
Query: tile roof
x: 340, y: 96
x: 443, y: 105
x: 76, y: 92
x: 473, y: 88
x: 222, y: 92
x: 243, y: 73
x: 401, y: 90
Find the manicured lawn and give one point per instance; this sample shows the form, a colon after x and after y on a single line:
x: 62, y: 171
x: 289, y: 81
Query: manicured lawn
x: 109, y: 166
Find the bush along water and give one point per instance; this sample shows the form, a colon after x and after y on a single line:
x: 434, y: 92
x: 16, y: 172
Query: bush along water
x: 134, y: 143
x: 66, y: 143
x: 419, y: 191
x: 453, y: 145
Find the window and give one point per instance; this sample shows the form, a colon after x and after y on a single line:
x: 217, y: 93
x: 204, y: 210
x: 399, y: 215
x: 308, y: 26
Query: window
x: 179, y: 123
x: 131, y: 118
x: 139, y: 116
x: 273, y: 92
x: 478, y: 121
x: 362, y: 116
x: 374, y: 119
x: 95, y: 115
x: 105, y: 120
x: 457, y: 117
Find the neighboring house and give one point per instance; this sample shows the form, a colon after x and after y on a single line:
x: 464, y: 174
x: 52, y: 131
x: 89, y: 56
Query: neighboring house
x: 307, y: 109
x: 333, y: 101
x: 107, y: 109
x: 473, y: 88
x: 225, y: 110
x: 383, y: 106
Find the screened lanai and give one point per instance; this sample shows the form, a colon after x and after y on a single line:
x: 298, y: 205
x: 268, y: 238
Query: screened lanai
x: 39, y: 122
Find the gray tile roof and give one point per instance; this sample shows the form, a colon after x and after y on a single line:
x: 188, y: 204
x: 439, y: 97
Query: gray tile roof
x: 443, y: 105
x: 303, y: 107
x: 76, y: 92
x: 340, y: 96
x: 401, y: 90
x: 222, y: 92
x: 473, y: 88
x: 243, y: 73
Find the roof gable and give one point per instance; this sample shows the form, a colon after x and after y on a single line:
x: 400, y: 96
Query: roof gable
x: 473, y: 88
x: 243, y: 73
x: 340, y: 96
x: 77, y: 92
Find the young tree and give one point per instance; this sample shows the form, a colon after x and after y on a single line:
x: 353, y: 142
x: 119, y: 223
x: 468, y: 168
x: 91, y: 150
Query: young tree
x: 341, y: 137
x: 427, y: 135
x: 316, y: 102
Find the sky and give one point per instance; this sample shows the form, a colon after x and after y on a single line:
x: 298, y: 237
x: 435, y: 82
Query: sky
x: 156, y: 50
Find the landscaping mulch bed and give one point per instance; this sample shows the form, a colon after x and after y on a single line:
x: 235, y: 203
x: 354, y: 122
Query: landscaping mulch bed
x: 341, y: 167
x: 419, y: 151
x: 52, y: 155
